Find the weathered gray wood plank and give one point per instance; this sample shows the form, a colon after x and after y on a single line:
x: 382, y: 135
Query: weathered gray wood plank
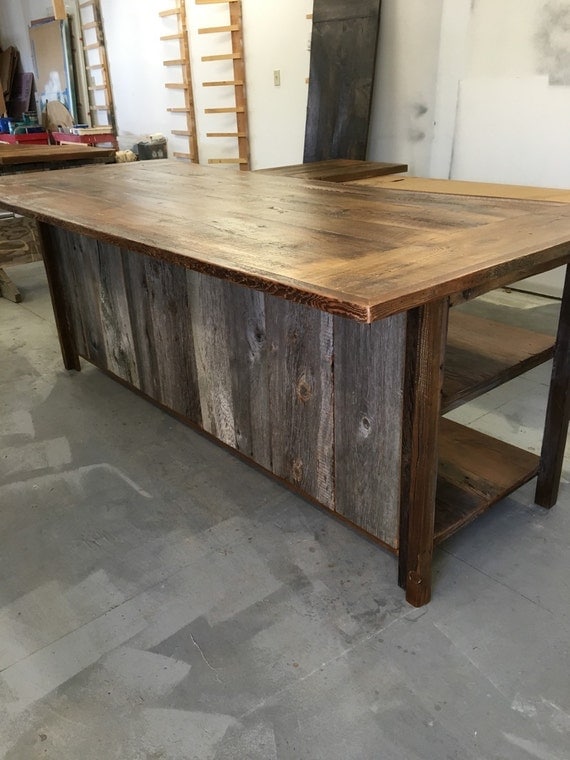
x: 343, y: 61
x: 62, y: 298
x: 142, y: 320
x: 368, y: 380
x: 58, y: 247
x: 79, y: 258
x: 301, y: 393
x: 245, y: 314
x: 162, y: 333
x: 115, y: 317
x: 207, y: 302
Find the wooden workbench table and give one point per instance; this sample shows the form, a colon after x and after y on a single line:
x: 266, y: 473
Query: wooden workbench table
x: 337, y: 170
x: 35, y: 157
x: 303, y: 324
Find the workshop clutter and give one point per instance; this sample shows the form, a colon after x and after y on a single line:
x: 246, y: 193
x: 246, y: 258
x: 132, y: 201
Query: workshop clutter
x: 154, y: 147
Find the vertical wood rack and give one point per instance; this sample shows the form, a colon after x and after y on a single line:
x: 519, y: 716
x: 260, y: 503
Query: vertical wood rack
x: 183, y: 64
x: 236, y: 85
x: 101, y: 106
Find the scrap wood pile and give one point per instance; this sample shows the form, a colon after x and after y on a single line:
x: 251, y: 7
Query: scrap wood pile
x: 16, y: 86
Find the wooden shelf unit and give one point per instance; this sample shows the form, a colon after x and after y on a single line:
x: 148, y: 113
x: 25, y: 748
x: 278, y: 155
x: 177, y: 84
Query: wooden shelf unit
x: 476, y: 470
x: 182, y: 62
x: 236, y: 84
x: 482, y: 354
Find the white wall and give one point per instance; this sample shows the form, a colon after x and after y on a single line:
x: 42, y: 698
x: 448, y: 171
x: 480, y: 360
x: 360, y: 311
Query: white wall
x: 513, y: 115
x: 402, y: 120
x: 503, y: 97
x: 14, y: 20
x: 277, y: 36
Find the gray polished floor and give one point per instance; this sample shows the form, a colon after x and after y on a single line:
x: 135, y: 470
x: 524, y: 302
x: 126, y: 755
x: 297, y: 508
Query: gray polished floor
x: 161, y: 599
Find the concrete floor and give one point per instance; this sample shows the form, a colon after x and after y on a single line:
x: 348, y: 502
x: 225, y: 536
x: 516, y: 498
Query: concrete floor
x: 161, y: 599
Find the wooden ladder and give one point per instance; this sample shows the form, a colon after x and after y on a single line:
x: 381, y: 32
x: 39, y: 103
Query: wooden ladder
x: 101, y: 107
x: 182, y: 62
x: 239, y: 105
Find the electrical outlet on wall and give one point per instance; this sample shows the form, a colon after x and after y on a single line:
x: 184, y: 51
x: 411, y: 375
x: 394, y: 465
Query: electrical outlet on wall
x: 277, y: 77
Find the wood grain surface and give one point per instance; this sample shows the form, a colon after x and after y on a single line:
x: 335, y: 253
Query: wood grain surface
x: 364, y: 253
x: 368, y: 423
x: 277, y: 381
x: 475, y: 471
x: 342, y: 68
x: 465, y: 187
x: 557, y: 411
x: 14, y: 154
x: 425, y: 350
x: 301, y: 392
x: 336, y: 170
x: 482, y: 354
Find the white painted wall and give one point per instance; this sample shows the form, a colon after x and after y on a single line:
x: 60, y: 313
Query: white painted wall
x: 14, y: 21
x: 513, y: 117
x: 402, y: 120
x: 503, y: 98
x: 276, y: 36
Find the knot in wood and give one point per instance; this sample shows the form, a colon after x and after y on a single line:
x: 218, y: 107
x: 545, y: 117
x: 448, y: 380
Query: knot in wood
x: 365, y: 426
x: 415, y: 577
x: 304, y: 390
x: 293, y: 336
x: 297, y: 470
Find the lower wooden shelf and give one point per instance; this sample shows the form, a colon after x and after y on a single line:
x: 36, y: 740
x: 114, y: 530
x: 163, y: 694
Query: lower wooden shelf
x: 475, y: 471
x: 482, y: 353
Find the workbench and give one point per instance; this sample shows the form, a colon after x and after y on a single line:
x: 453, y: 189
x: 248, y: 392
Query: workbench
x: 17, y: 157
x: 304, y: 325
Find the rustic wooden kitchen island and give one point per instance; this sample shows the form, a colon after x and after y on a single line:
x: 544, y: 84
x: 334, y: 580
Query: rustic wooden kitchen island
x: 304, y: 325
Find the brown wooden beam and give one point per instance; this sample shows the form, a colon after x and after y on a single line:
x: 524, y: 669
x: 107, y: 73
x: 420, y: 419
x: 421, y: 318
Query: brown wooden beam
x: 62, y: 320
x: 558, y: 410
x: 425, y: 351
x: 8, y: 289
x: 59, y: 12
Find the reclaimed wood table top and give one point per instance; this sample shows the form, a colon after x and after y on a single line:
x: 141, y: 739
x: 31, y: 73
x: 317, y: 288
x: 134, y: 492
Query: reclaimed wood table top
x: 15, y: 154
x: 464, y: 187
x: 361, y: 252
x: 337, y: 170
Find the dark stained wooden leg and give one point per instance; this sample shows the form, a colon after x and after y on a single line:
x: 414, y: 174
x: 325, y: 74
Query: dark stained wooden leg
x: 425, y: 351
x: 8, y: 289
x: 62, y: 321
x: 558, y: 410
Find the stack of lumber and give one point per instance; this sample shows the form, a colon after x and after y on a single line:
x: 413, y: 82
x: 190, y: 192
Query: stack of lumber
x: 15, y: 86
x: 9, y: 59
